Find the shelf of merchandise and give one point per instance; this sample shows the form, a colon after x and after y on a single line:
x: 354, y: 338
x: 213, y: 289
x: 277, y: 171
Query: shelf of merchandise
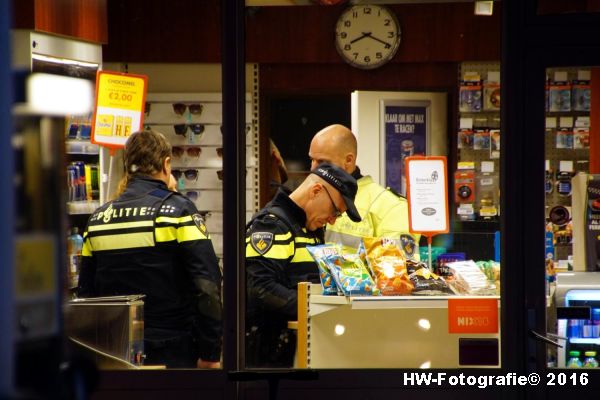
x: 207, y: 120
x: 81, y: 147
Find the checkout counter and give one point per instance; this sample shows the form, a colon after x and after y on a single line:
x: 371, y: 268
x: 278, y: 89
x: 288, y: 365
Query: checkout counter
x: 389, y: 332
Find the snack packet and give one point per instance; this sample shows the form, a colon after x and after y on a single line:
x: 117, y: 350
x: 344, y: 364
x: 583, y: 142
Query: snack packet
x: 469, y: 279
x: 351, y: 275
x: 388, y: 265
x: 319, y: 253
x: 426, y: 282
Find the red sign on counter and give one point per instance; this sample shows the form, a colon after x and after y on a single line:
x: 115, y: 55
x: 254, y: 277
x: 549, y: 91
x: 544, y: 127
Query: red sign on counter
x: 473, y: 315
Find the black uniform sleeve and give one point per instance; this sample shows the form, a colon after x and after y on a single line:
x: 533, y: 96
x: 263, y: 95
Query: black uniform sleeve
x: 87, y: 273
x: 267, y: 282
x: 197, y: 255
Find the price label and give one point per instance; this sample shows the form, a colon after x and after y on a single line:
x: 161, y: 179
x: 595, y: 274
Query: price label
x: 119, y: 107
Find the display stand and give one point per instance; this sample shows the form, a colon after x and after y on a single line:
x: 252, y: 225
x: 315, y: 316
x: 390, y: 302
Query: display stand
x: 378, y: 331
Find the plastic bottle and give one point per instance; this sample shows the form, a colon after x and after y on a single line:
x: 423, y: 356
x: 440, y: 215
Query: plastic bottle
x: 74, y: 246
x: 590, y: 360
x: 574, y: 361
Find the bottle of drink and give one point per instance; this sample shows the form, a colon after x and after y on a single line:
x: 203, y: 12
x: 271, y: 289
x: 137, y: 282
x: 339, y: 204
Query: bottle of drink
x: 590, y: 360
x: 574, y: 361
x: 74, y: 246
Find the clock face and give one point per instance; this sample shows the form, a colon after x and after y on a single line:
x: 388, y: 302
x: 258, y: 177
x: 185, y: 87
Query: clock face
x: 367, y: 36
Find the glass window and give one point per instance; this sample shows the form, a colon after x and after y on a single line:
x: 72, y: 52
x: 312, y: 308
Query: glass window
x: 572, y: 193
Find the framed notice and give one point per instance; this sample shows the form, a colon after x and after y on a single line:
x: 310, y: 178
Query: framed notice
x: 119, y: 110
x: 405, y: 128
x: 427, y: 194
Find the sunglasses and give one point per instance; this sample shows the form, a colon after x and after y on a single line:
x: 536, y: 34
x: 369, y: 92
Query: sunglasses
x: 181, y: 129
x: 191, y: 151
x: 179, y: 108
x: 190, y: 174
x: 192, y: 195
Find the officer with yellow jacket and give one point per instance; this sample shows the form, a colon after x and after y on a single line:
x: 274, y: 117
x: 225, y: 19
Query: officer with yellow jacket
x: 153, y: 241
x: 277, y: 259
x: 383, y: 213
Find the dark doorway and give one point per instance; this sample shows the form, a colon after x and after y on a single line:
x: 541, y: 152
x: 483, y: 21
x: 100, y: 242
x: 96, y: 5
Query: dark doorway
x: 294, y: 121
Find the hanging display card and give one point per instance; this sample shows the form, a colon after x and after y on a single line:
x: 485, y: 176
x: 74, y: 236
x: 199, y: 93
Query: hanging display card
x: 119, y: 107
x: 427, y: 194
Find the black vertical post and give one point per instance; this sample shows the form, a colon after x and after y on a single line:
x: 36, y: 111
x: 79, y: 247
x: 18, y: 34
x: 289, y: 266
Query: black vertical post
x: 6, y: 207
x: 511, y: 165
x: 234, y: 179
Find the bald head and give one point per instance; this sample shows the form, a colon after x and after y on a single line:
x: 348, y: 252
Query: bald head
x: 335, y: 144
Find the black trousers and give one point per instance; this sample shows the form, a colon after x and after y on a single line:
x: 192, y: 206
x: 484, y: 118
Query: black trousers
x: 175, y: 349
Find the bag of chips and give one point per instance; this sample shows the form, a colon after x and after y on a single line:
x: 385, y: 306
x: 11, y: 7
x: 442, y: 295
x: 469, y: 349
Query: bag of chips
x: 351, y: 275
x: 388, y: 265
x: 319, y: 253
x: 426, y: 283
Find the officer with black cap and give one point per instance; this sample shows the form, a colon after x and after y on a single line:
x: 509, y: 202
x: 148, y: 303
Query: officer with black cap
x: 277, y: 259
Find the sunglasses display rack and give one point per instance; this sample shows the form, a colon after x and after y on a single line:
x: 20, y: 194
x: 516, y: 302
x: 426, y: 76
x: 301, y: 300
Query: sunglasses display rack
x: 192, y: 122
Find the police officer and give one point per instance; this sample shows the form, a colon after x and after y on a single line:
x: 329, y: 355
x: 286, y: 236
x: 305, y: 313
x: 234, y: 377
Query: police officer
x: 384, y: 213
x: 153, y: 241
x: 277, y: 259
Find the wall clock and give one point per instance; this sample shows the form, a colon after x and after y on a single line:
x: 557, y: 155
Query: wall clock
x: 367, y: 36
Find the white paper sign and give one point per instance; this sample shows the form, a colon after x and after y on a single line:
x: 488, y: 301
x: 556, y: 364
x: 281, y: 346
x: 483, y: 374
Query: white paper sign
x: 427, y: 194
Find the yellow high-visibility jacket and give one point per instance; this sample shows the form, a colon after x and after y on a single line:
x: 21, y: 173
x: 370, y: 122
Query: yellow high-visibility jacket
x: 383, y: 213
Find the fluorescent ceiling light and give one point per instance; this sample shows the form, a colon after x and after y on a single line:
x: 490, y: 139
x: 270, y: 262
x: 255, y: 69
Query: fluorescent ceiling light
x: 49, y: 94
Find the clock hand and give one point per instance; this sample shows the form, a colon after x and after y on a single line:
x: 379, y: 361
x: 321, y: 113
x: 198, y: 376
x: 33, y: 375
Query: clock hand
x: 387, y: 45
x: 364, y: 35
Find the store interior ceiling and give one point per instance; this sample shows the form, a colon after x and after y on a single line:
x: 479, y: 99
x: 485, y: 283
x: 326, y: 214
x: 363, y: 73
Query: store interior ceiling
x: 262, y: 3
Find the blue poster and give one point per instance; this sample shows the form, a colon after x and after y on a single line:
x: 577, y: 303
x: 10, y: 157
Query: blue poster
x: 405, y: 130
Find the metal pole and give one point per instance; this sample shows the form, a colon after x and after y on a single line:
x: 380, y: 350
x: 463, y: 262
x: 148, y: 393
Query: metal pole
x: 234, y: 182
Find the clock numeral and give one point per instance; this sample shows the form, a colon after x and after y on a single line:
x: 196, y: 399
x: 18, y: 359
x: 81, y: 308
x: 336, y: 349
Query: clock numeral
x: 354, y: 14
x: 367, y: 10
x: 343, y: 35
x: 378, y: 55
x: 355, y: 55
x: 347, y: 23
x: 387, y: 22
x: 367, y: 59
x: 388, y: 46
x: 391, y: 34
x: 347, y: 47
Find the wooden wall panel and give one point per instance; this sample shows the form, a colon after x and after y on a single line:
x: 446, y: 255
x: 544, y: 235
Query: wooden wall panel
x: 338, y: 78
x: 186, y: 31
x: 81, y: 19
x: 162, y: 31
